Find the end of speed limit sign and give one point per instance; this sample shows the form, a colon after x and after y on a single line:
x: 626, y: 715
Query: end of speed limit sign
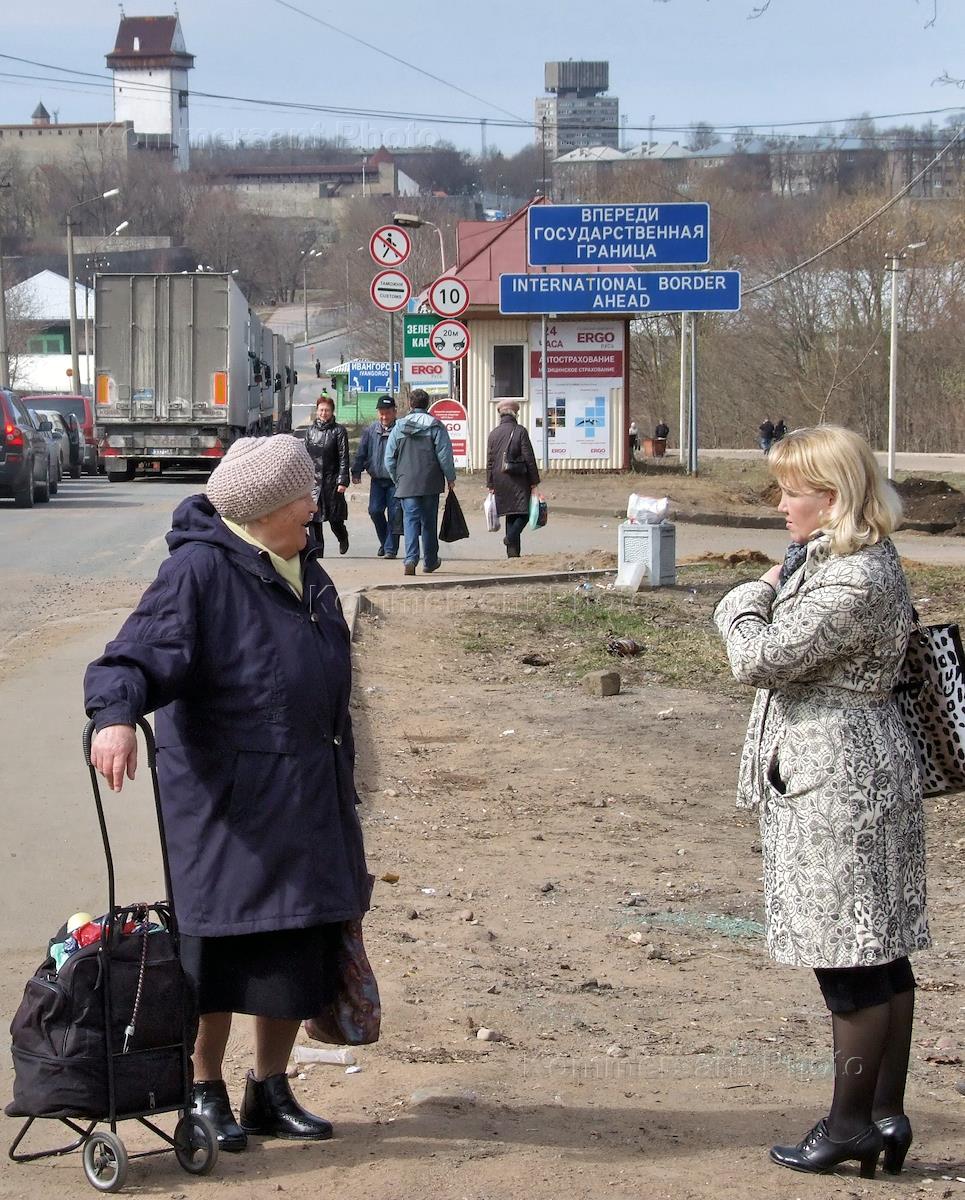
x: 449, y: 296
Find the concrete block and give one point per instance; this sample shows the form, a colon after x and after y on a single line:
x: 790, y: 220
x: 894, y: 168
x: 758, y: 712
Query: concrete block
x: 602, y: 683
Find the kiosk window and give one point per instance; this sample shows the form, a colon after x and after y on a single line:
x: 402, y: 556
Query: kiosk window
x: 508, y: 372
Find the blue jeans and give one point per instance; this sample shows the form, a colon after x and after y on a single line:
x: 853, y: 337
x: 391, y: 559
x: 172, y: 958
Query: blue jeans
x: 383, y: 508
x: 420, y: 517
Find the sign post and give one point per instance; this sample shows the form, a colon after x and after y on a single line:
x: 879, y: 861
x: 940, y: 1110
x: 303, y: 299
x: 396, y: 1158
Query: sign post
x: 453, y: 415
x: 390, y: 291
x: 390, y: 246
x: 420, y: 367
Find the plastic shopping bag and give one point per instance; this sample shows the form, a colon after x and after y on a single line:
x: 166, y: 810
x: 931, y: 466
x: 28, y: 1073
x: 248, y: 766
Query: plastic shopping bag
x: 492, y: 517
x: 646, y: 510
x: 454, y: 527
x: 538, y: 511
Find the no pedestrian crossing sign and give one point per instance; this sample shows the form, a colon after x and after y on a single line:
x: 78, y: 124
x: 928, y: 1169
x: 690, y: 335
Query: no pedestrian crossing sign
x: 633, y: 293
x: 639, y: 234
x: 390, y: 246
x: 390, y: 290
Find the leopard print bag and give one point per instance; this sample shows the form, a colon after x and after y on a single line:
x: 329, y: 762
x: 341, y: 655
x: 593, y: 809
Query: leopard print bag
x: 930, y: 693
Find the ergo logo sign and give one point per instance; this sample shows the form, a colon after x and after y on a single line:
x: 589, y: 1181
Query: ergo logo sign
x: 429, y: 368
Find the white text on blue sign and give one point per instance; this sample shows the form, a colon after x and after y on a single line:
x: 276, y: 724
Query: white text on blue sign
x: 654, y: 234
x: 621, y: 292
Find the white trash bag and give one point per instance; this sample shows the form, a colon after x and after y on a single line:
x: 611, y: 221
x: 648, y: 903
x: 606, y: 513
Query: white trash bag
x: 646, y: 510
x: 492, y: 518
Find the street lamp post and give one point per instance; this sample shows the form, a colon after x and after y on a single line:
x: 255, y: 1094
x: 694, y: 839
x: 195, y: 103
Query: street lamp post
x: 306, y: 255
x: 87, y: 286
x: 72, y: 289
x: 894, y: 268
x: 411, y: 221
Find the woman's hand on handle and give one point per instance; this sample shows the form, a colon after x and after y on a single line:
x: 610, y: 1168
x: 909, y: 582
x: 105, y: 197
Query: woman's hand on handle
x: 113, y: 752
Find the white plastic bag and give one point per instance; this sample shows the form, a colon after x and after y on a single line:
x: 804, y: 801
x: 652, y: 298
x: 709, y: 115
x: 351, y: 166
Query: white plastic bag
x: 646, y: 510
x: 489, y: 508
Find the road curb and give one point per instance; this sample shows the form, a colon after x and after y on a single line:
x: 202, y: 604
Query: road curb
x: 357, y: 601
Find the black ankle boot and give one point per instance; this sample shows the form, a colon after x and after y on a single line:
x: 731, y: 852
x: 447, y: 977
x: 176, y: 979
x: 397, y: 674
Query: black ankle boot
x: 210, y: 1099
x: 270, y: 1108
x: 896, y: 1137
x: 818, y: 1153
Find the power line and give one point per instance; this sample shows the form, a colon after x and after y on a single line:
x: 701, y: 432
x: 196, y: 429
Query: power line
x: 395, y: 58
x: 859, y: 228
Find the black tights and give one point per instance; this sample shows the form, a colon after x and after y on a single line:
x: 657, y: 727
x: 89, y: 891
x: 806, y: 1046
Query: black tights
x: 871, y: 1051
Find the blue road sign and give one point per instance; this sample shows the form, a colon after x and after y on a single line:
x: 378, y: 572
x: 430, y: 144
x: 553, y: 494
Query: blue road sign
x: 640, y: 234
x: 365, y: 376
x: 629, y: 292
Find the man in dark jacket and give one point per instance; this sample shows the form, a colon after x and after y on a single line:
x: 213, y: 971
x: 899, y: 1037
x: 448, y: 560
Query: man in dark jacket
x: 240, y: 649
x: 419, y: 459
x: 511, y: 473
x: 327, y: 442
x: 765, y: 434
x: 384, y: 508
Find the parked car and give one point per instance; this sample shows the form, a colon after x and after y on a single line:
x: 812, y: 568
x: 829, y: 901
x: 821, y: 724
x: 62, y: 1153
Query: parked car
x: 52, y: 446
x: 81, y: 407
x: 24, y: 455
x: 69, y: 440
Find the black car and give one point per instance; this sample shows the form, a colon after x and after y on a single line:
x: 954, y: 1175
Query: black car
x: 46, y: 427
x: 24, y: 456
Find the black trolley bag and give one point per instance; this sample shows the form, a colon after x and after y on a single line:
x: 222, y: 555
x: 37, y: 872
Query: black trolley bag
x: 109, y: 1036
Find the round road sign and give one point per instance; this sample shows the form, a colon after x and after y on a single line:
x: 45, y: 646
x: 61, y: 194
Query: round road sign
x: 390, y: 290
x: 450, y: 341
x: 390, y: 246
x: 449, y: 296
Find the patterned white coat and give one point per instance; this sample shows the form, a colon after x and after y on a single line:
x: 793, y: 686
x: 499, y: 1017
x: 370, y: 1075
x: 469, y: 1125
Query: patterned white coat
x: 827, y: 759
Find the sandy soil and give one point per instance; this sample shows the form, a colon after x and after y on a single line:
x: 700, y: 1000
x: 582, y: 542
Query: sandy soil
x: 573, y: 876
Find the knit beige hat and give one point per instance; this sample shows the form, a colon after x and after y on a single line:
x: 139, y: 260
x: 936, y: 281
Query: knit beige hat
x: 258, y: 475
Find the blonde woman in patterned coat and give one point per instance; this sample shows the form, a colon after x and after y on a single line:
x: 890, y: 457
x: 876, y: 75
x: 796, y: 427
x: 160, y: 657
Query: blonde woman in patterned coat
x: 829, y: 765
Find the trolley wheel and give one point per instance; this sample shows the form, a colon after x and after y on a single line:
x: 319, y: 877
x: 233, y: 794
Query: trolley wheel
x: 196, y: 1144
x: 105, y: 1161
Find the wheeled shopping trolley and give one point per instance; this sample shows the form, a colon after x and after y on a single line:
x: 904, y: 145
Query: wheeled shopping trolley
x: 104, y: 1034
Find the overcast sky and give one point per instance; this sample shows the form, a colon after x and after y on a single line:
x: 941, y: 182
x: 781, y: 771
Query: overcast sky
x: 680, y: 60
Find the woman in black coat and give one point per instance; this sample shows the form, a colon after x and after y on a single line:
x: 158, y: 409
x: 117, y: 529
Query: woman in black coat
x: 327, y: 443
x: 240, y: 649
x: 511, y: 473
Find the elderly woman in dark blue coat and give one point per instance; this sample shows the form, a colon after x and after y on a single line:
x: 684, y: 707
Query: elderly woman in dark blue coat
x: 241, y: 650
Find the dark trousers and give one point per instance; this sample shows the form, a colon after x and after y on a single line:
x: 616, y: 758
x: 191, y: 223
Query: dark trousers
x: 384, y: 510
x: 515, y: 524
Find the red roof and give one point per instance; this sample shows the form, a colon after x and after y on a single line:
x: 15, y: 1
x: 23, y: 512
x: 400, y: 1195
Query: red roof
x: 155, y: 39
x: 487, y: 249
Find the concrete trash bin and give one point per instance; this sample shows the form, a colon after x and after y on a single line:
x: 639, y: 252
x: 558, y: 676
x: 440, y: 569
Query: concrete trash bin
x: 653, y: 546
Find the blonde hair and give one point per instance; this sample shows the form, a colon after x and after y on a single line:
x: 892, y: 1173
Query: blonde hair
x: 829, y: 458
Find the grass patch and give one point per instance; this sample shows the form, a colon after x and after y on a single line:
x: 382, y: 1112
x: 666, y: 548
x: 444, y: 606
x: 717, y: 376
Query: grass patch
x: 570, y: 627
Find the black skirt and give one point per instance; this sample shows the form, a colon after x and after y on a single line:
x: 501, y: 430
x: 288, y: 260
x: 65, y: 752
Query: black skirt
x: 288, y: 974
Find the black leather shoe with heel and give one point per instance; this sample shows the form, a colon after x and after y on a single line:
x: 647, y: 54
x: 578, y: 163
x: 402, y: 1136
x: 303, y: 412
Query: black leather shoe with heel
x: 210, y: 1099
x: 818, y: 1153
x: 270, y: 1108
x: 896, y: 1138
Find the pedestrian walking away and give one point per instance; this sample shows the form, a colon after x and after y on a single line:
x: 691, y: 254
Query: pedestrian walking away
x: 318, y: 369
x: 830, y: 766
x: 240, y: 649
x: 765, y: 434
x: 419, y: 460
x: 384, y: 509
x: 327, y: 443
x: 662, y: 430
x: 511, y: 473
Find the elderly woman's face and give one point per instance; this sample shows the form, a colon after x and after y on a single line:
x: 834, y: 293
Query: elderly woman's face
x: 284, y: 530
x: 805, y: 511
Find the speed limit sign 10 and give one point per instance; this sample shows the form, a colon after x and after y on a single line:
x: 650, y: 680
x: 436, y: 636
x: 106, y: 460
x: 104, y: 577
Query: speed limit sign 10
x: 449, y: 296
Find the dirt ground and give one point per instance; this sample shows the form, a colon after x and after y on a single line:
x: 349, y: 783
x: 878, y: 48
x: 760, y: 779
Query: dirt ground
x: 571, y: 874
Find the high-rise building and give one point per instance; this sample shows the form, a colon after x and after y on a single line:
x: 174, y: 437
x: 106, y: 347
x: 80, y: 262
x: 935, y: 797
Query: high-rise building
x: 150, y: 65
x: 576, y: 113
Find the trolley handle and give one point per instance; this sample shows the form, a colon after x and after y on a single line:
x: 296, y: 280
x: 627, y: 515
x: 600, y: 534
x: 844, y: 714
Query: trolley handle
x: 88, y: 738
